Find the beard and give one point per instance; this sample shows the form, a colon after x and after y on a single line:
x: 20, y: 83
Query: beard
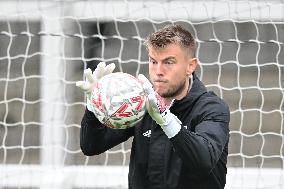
x: 174, y: 90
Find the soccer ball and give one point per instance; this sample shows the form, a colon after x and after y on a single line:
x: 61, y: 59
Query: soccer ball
x: 118, y: 100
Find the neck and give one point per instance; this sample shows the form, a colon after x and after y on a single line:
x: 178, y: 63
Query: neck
x: 168, y: 101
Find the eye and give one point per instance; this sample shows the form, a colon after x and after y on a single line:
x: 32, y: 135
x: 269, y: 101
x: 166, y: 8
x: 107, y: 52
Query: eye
x: 152, y: 61
x: 169, y: 62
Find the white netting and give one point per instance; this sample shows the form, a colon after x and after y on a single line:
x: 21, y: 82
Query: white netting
x: 45, y: 46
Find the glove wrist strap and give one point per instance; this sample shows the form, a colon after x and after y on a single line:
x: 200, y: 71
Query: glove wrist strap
x: 172, y: 124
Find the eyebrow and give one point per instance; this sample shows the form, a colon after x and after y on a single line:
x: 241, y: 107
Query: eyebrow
x: 165, y: 59
x: 169, y: 58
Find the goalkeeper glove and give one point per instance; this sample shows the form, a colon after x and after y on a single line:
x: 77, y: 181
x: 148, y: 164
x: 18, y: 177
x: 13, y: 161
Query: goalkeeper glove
x: 92, y: 78
x: 158, y: 110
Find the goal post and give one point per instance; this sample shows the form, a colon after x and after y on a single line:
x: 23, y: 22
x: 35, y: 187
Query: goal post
x: 46, y: 45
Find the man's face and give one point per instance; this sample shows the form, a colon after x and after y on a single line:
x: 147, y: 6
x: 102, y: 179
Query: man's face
x: 169, y: 69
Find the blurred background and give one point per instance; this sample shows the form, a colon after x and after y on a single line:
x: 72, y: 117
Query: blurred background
x: 46, y: 45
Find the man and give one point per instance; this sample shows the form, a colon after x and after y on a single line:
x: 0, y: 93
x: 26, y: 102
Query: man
x: 182, y: 141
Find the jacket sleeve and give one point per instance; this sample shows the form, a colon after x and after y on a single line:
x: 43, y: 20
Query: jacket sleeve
x: 95, y: 138
x: 201, y: 148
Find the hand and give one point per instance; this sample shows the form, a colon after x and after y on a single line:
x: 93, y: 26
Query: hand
x: 155, y: 103
x: 158, y: 110
x: 92, y: 78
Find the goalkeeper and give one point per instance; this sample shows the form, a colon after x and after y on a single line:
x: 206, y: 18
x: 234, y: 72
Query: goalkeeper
x: 182, y: 141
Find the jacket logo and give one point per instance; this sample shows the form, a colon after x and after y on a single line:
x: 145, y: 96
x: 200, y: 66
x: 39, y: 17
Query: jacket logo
x: 147, y: 134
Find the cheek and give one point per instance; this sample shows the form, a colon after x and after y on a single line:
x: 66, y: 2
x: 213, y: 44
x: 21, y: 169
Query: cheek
x: 185, y: 70
x: 178, y: 78
x: 151, y: 69
x: 180, y: 73
x: 151, y: 74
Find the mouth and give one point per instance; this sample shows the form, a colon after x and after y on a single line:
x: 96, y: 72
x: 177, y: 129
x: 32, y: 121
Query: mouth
x: 160, y: 81
x: 160, y: 84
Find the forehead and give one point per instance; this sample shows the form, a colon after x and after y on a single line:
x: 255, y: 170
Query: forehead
x: 171, y: 50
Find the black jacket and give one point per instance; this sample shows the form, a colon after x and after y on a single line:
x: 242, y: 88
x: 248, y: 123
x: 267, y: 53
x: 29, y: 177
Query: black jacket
x: 193, y: 159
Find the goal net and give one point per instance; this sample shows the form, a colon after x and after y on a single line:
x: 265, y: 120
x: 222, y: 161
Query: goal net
x: 46, y: 45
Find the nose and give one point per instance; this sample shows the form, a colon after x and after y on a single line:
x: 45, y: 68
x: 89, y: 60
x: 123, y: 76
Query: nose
x: 159, y: 69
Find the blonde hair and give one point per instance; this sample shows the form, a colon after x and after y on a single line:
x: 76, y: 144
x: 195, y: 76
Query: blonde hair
x: 172, y: 34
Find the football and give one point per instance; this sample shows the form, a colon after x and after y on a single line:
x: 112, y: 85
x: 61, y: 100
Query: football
x: 118, y: 100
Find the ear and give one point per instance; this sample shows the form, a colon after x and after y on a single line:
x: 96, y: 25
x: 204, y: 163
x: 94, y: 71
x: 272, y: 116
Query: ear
x: 192, y: 65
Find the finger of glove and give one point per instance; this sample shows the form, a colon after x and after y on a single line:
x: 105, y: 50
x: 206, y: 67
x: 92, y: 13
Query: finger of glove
x: 89, y: 76
x: 109, y: 69
x: 83, y: 85
x: 146, y: 84
x: 99, y: 71
x: 153, y: 103
x: 153, y: 110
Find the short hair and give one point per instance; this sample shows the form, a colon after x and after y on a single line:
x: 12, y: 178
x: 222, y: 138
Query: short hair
x: 172, y: 34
